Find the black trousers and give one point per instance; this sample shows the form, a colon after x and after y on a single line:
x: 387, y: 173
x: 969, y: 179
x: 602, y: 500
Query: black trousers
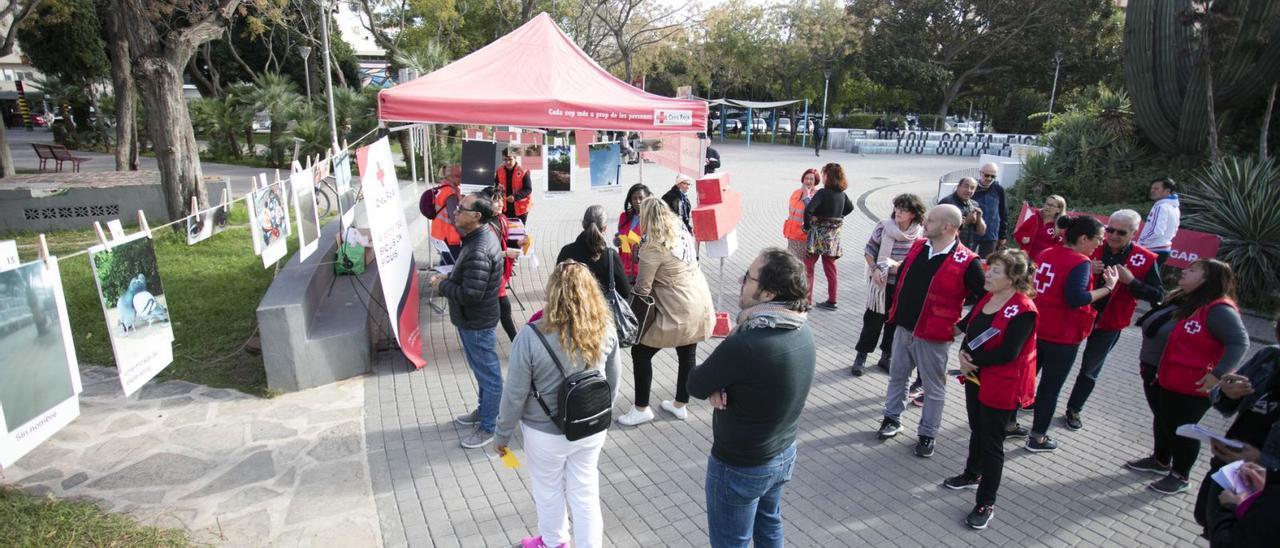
x: 986, y: 444
x: 504, y: 316
x: 1096, y: 349
x: 642, y: 363
x: 1169, y: 411
x: 1053, y: 362
x: 873, y: 324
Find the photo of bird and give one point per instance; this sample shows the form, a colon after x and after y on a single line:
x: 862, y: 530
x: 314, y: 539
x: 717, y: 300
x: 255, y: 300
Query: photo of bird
x: 137, y: 305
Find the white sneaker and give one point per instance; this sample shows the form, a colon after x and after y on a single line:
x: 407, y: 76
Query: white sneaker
x: 636, y: 417
x: 681, y: 413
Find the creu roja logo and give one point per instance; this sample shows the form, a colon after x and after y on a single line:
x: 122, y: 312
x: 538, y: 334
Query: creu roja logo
x: 663, y: 117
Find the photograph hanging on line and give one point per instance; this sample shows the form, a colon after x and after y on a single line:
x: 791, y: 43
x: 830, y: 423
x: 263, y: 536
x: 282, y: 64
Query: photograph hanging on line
x: 39, y: 377
x: 269, y: 222
x: 135, y: 307
x: 347, y: 191
x: 606, y: 164
x: 480, y: 159
x: 202, y: 225
x: 304, y: 204
x: 559, y: 170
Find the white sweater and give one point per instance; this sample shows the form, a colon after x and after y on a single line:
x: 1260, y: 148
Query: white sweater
x: 1162, y: 224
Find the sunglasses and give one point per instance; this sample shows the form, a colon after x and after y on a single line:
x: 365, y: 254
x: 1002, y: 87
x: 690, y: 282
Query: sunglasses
x: 1117, y: 231
x: 988, y: 175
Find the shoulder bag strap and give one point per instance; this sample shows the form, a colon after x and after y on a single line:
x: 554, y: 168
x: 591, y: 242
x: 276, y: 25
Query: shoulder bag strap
x: 538, y: 395
x: 608, y: 257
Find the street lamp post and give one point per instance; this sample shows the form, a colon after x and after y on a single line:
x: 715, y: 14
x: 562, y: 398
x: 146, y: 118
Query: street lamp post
x: 306, y: 66
x: 1057, y: 68
x: 826, y: 82
x: 328, y: 70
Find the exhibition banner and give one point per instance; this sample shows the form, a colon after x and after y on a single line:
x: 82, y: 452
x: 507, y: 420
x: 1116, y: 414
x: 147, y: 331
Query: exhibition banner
x: 39, y: 377
x: 135, y: 307
x: 390, y: 236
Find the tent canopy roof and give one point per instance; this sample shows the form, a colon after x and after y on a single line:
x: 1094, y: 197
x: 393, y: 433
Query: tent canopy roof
x: 536, y: 77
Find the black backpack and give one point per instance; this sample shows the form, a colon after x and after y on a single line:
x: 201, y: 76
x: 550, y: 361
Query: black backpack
x: 585, y: 404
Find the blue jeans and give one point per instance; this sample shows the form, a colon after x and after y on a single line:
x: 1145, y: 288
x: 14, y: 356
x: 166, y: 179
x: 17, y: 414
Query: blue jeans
x: 480, y: 347
x: 745, y: 503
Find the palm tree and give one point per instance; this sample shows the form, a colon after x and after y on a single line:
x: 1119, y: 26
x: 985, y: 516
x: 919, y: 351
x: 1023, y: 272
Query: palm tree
x: 276, y: 95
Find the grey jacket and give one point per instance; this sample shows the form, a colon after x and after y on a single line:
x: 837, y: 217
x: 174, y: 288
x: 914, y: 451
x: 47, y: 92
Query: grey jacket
x: 472, y: 287
x: 529, y: 359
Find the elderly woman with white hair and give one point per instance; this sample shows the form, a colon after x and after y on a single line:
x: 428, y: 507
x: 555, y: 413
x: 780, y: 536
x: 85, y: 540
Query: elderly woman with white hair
x: 678, y: 200
x: 1139, y: 279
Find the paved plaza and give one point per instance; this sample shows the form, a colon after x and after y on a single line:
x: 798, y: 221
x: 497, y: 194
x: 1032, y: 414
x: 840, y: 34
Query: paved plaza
x: 304, y: 469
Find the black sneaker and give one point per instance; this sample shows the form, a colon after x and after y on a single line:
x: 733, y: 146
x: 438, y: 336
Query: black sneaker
x: 1047, y: 445
x: 859, y: 364
x: 1018, y: 431
x: 888, y: 428
x: 918, y: 400
x: 1169, y: 485
x: 924, y: 447
x: 1073, y: 420
x: 829, y: 305
x: 980, y: 517
x: 1147, y: 464
x: 963, y: 481
x: 883, y: 362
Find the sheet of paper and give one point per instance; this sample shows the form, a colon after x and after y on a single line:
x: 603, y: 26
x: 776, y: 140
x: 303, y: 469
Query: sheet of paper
x: 1195, y: 431
x: 1229, y: 477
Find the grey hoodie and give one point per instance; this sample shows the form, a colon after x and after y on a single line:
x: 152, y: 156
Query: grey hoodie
x: 529, y: 359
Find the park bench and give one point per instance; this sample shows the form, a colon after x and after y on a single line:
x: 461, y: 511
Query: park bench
x: 58, y: 154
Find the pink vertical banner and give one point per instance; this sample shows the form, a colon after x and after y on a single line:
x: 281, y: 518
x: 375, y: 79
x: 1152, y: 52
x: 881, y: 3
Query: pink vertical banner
x: 583, y: 138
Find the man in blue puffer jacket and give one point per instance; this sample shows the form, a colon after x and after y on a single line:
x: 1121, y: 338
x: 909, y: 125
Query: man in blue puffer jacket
x: 990, y: 197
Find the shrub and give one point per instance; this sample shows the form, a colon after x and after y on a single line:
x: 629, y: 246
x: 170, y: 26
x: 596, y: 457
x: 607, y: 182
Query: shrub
x: 1236, y: 199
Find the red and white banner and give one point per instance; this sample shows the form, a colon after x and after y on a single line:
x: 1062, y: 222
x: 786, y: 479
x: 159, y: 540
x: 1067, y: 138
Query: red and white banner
x: 1188, y: 246
x: 390, y: 236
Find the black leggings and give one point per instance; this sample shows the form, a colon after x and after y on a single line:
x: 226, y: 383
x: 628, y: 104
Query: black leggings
x: 642, y: 362
x: 504, y: 316
x: 1169, y: 411
x: 986, y: 444
x: 873, y: 323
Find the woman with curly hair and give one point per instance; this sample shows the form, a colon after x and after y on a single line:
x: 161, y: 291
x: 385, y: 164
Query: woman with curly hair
x: 890, y: 241
x: 823, y: 218
x: 578, y: 328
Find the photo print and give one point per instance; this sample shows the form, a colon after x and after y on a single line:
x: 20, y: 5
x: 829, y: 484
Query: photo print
x: 39, y: 377
x: 559, y: 168
x: 304, y: 203
x: 135, y: 307
x: 347, y: 191
x: 269, y: 223
x: 606, y: 165
x: 202, y: 225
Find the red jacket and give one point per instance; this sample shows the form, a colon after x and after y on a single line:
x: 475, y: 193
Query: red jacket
x: 522, y: 205
x: 1060, y: 323
x: 1009, y: 385
x: 1118, y: 313
x: 944, y: 303
x: 1191, y: 352
x: 1034, y: 235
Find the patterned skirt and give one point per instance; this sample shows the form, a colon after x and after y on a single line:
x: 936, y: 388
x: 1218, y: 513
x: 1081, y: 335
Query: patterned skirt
x: 799, y: 248
x: 824, y: 237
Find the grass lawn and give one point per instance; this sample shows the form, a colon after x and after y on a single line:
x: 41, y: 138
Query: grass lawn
x: 212, y: 288
x: 31, y: 521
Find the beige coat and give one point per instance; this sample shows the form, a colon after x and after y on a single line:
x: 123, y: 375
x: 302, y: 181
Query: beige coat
x: 685, y: 313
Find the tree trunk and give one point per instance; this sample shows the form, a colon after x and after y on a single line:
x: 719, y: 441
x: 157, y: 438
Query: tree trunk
x: 126, y: 151
x: 173, y: 140
x: 6, y: 157
x: 1266, y: 123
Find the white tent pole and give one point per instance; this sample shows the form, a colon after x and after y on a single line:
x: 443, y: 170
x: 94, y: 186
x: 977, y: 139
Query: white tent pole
x: 413, y: 158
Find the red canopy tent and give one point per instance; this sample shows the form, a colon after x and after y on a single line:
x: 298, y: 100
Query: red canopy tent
x: 536, y: 77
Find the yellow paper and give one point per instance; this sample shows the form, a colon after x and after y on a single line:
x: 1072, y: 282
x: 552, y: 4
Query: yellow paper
x: 973, y: 379
x: 509, y: 459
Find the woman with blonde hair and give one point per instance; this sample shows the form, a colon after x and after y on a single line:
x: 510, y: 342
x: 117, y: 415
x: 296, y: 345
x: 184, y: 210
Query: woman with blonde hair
x: 682, y: 310
x: 1040, y: 231
x: 576, y: 330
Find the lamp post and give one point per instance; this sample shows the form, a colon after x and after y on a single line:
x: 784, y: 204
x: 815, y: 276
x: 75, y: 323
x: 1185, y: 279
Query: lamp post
x: 1057, y: 67
x: 826, y: 82
x: 328, y: 70
x: 306, y: 66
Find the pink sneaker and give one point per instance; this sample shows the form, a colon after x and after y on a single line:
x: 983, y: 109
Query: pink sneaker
x: 536, y: 542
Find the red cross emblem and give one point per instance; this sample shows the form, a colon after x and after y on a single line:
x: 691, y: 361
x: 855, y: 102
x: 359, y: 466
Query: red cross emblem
x: 961, y: 256
x: 662, y: 117
x: 1011, y: 311
x: 1193, y: 327
x: 1137, y: 260
x: 1044, y: 277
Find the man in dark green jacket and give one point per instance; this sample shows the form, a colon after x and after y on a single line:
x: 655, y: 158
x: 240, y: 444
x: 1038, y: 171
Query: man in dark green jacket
x: 757, y: 380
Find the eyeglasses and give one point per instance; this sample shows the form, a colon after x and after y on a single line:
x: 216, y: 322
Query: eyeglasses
x: 988, y: 175
x: 471, y: 209
x: 746, y: 277
x: 1117, y: 231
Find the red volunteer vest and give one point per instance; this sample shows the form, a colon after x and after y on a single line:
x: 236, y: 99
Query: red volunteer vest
x: 1009, y: 385
x: 442, y: 226
x: 1060, y: 323
x: 1191, y: 352
x: 1034, y: 235
x: 944, y: 303
x: 500, y: 229
x: 793, y: 227
x: 1119, y: 310
x: 522, y: 206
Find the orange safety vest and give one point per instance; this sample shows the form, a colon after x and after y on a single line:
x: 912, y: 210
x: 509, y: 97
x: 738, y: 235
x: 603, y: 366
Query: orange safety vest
x: 442, y: 226
x: 793, y: 227
x: 522, y: 206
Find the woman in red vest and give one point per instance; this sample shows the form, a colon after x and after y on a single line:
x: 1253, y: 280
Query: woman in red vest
x: 1188, y: 343
x: 1064, y: 293
x: 501, y: 229
x: 998, y: 359
x: 1040, y: 231
x: 793, y: 227
x: 629, y: 235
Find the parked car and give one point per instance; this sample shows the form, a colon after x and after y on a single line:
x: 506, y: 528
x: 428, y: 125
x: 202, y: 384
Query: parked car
x: 784, y: 125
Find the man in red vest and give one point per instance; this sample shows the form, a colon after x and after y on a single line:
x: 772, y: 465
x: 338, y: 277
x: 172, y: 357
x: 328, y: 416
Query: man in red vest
x: 933, y: 281
x: 1139, y: 279
x: 514, y: 181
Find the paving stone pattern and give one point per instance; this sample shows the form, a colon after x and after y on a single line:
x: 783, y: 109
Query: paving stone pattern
x: 849, y: 489
x: 227, y: 468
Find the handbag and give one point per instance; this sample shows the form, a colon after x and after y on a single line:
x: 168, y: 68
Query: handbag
x: 645, y: 311
x: 624, y: 319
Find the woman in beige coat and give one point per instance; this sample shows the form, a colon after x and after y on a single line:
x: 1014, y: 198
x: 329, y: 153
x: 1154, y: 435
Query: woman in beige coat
x: 682, y: 307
